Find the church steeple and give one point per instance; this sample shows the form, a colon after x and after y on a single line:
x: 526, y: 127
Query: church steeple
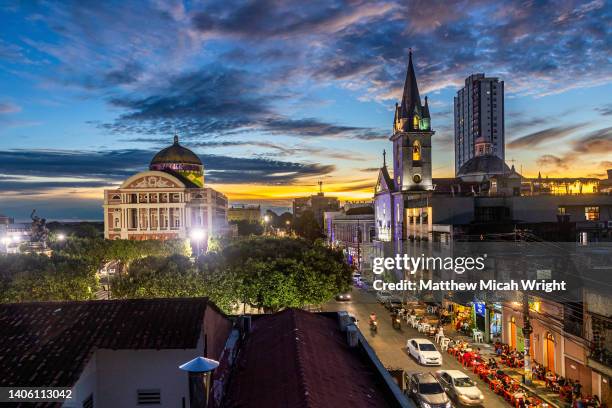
x: 411, y: 100
x: 426, y: 109
x: 412, y: 138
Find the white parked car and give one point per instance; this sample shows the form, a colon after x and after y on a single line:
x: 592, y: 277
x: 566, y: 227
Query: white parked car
x: 383, y: 296
x: 424, y: 351
x: 460, y: 387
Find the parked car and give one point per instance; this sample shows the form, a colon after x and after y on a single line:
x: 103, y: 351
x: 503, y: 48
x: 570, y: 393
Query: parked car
x: 356, y: 277
x: 424, y: 351
x: 344, y: 296
x: 393, y: 303
x: 427, y: 392
x: 382, y: 296
x: 460, y: 387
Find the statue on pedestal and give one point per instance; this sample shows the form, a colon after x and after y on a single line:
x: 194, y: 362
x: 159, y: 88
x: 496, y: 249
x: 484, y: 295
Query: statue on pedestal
x: 40, y: 232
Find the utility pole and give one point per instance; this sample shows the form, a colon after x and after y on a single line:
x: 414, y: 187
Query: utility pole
x: 359, y: 245
x: 527, y: 330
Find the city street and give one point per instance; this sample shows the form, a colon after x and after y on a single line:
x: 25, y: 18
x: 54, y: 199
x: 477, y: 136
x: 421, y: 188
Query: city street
x: 390, y: 344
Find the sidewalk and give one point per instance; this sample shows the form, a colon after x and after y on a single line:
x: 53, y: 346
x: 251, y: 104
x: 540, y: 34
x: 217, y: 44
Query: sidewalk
x: 537, y: 388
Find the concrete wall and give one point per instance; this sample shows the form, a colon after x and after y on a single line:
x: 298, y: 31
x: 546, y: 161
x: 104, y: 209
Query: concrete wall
x: 544, y: 208
x: 115, y: 376
x: 452, y: 210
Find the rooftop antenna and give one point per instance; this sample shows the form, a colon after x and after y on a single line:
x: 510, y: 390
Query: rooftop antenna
x: 320, y: 187
x: 384, y: 158
x: 175, y: 134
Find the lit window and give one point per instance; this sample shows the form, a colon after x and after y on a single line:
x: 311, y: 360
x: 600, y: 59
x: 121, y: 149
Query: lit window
x: 591, y: 213
x: 415, y: 121
x: 561, y: 210
x: 416, y: 151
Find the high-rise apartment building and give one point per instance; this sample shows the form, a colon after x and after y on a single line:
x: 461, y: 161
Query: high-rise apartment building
x: 479, y: 113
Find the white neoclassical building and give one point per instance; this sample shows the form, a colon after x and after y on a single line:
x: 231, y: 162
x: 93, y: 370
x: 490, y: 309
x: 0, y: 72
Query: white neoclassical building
x: 167, y: 201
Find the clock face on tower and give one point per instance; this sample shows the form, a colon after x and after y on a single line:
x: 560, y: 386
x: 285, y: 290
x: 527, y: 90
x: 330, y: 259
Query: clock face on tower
x: 417, y: 178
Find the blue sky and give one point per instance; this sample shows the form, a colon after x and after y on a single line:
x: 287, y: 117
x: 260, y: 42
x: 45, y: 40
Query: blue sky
x: 276, y: 95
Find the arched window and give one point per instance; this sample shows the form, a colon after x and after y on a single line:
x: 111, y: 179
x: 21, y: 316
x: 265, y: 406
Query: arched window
x: 415, y: 122
x: 416, y: 151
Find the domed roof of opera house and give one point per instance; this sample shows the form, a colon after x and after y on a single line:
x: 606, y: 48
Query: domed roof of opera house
x: 176, y: 154
x: 487, y: 164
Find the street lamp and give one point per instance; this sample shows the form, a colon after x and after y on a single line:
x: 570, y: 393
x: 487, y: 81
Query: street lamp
x: 198, y: 235
x: 200, y: 370
x: 61, y: 237
x: 266, y: 222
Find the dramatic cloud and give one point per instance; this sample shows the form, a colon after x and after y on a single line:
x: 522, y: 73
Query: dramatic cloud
x: 7, y: 107
x: 596, y: 142
x: 521, y: 124
x: 268, y: 18
x: 92, y: 169
x: 537, y: 138
x: 283, y: 83
x: 550, y: 160
x: 605, y: 110
x: 218, y: 100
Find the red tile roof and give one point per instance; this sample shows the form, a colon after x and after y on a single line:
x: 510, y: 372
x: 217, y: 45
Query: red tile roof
x: 299, y: 359
x: 49, y: 343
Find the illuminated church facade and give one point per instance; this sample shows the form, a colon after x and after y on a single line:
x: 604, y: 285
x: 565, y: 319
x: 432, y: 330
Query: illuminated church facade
x: 168, y: 201
x: 411, y: 205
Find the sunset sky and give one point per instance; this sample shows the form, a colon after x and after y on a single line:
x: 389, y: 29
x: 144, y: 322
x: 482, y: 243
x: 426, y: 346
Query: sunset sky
x: 276, y: 95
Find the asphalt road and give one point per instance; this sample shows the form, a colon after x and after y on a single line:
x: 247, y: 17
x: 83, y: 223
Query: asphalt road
x: 390, y: 344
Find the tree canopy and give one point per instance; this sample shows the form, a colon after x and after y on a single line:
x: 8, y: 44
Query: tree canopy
x: 263, y: 272
x: 43, y: 278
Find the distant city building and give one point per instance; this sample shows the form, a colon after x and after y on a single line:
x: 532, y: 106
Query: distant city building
x: 479, y: 115
x: 317, y: 203
x: 12, y: 236
x: 249, y: 213
x: 168, y: 201
x: 5, y: 219
x: 353, y: 231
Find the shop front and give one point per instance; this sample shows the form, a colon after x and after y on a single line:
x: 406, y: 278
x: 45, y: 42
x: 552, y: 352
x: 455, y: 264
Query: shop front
x: 462, y: 314
x: 495, y: 322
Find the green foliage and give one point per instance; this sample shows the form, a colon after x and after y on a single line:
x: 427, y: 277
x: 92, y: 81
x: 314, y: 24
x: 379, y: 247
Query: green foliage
x: 307, y: 227
x: 70, y: 274
x: 246, y: 228
x: 41, y: 278
x: 263, y: 272
x: 284, y: 272
x: 98, y: 250
x: 155, y: 276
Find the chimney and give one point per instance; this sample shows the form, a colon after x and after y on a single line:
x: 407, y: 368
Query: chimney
x: 199, y: 374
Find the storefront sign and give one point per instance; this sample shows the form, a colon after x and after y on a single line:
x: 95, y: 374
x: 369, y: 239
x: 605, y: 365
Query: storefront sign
x: 479, y: 308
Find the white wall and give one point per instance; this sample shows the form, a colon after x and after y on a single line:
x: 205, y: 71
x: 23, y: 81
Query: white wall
x: 114, y: 376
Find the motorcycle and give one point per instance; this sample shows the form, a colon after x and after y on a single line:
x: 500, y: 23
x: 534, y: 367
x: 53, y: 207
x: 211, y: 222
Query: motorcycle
x: 397, y: 323
x: 373, y: 326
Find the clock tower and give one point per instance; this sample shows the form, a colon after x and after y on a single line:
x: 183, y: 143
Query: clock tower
x: 412, y: 139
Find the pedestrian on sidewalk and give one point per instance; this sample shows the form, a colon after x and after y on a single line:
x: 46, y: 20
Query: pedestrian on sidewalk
x: 576, y: 389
